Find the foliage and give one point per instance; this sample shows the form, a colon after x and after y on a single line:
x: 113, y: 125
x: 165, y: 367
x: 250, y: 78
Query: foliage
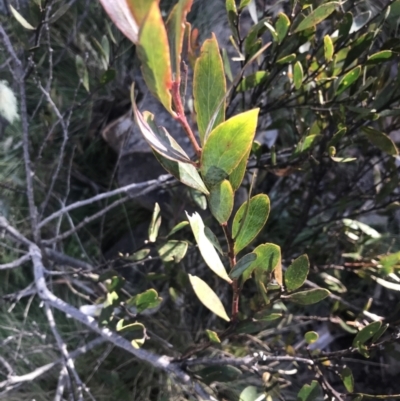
x: 289, y: 151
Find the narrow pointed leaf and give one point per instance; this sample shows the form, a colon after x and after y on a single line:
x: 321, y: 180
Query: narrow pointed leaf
x: 381, y: 141
x: 209, y: 86
x: 268, y: 259
x: 121, y: 15
x: 380, y: 57
x: 20, y: 18
x: 176, y: 29
x: 328, y: 48
x: 155, y: 223
x: 282, y: 26
x: 308, y: 297
x: 287, y: 59
x: 257, y: 214
x: 226, y: 144
x: 318, y: 15
x: 154, y: 54
x: 296, y: 273
x: 366, y: 333
x: 298, y: 75
x: 213, y: 336
x: 178, y: 227
x: 158, y: 137
x: 221, y: 201
x: 242, y: 265
x: 206, y: 248
x: 349, y: 79
x: 208, y: 297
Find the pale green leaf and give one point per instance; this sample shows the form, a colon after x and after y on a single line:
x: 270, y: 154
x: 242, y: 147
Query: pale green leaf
x: 20, y: 18
x: 308, y: 297
x: 309, y: 392
x: 206, y: 248
x: 173, y: 251
x: 208, y: 297
x: 328, y: 48
x: 155, y: 223
x: 348, y: 379
x: 298, y: 75
x: 282, y: 26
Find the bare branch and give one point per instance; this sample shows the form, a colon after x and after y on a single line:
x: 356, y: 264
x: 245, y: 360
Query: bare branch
x: 16, y: 263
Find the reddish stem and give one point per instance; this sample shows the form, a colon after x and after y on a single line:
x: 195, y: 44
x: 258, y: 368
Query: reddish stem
x: 181, y: 117
x: 232, y: 262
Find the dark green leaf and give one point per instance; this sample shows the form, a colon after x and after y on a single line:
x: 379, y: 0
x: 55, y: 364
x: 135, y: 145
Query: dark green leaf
x: 381, y: 141
x: 348, y: 380
x: 242, y: 265
x: 308, y: 297
x: 318, y: 15
x: 224, y: 373
x: 366, y: 333
x: 107, y: 76
x: 297, y: 272
x: 380, y: 57
x: 246, y: 226
x: 309, y: 392
x: 287, y: 59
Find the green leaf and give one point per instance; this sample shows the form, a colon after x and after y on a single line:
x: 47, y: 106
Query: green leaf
x: 184, y: 172
x: 178, y: 227
x: 287, y: 59
x: 318, y: 15
x: 311, y: 337
x: 381, y: 141
x: 305, y: 144
x: 348, y: 379
x: 136, y: 331
x: 308, y: 297
x: 380, y: 333
x: 21, y: 19
x: 337, y: 136
x: 345, y: 25
x: 209, y: 86
x: 146, y: 300
x: 176, y: 28
x: 390, y: 261
x: 208, y: 297
x: 153, y: 52
x: 282, y: 26
x: 349, y: 79
x: 328, y: 48
x: 309, y: 392
x: 366, y: 333
x: 380, y: 57
x: 268, y: 259
x: 247, y: 226
x: 232, y: 16
x: 155, y: 223
x: 298, y: 75
x: 250, y: 393
x: 213, y: 336
x: 252, y: 81
x: 157, y: 137
x: 82, y: 71
x: 213, y: 239
x: 206, y: 248
x: 242, y: 265
x: 139, y: 255
x: 106, y: 77
x: 224, y: 373
x: 272, y: 30
x: 173, y: 251
x: 225, y: 146
x: 296, y: 273
x: 221, y: 201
